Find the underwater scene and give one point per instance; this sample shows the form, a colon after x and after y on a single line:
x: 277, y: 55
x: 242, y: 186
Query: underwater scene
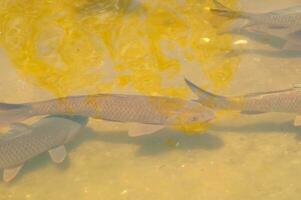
x: 150, y: 99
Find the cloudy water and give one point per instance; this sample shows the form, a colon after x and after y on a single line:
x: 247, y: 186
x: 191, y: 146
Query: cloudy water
x: 52, y: 49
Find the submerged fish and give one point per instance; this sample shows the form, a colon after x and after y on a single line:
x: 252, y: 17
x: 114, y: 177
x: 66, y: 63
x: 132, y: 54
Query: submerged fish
x: 277, y: 19
x: 24, y: 142
x: 286, y: 101
x: 147, y: 114
x: 285, y: 24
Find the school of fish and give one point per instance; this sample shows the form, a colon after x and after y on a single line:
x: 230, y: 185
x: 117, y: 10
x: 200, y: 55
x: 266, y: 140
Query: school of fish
x: 144, y: 114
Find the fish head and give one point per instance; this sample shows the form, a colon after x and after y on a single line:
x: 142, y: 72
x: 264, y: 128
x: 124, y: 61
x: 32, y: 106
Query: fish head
x: 193, y: 120
x: 194, y: 115
x: 200, y: 116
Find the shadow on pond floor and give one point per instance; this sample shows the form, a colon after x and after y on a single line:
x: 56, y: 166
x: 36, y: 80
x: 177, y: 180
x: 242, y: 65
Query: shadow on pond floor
x: 160, y: 142
x: 150, y: 145
x: 261, y: 128
x: 275, y: 43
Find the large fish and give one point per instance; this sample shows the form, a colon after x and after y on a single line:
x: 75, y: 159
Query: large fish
x: 24, y: 142
x: 285, y: 101
x: 147, y: 114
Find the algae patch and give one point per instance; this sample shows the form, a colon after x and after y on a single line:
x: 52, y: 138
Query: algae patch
x: 67, y: 46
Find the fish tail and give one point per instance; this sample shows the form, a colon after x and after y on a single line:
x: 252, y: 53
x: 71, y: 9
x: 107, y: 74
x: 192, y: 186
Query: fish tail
x: 214, y: 101
x: 12, y: 113
x: 227, y: 12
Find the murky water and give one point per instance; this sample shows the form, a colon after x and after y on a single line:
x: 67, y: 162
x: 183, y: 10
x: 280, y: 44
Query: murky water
x: 147, y: 48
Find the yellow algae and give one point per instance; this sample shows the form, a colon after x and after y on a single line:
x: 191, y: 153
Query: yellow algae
x: 62, y: 46
x: 192, y: 128
x: 94, y: 46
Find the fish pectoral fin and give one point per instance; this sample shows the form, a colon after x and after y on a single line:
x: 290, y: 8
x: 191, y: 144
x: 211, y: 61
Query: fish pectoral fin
x: 20, y: 128
x: 10, y: 173
x: 58, y: 154
x: 252, y: 112
x: 143, y: 129
x: 297, y: 121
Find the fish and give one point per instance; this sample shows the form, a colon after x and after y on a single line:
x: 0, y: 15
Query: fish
x: 24, y: 142
x: 284, y: 24
x: 278, y: 19
x: 145, y: 114
x: 281, y: 101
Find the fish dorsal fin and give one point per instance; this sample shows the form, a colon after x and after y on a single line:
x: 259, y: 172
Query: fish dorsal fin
x: 219, y: 5
x: 297, y: 121
x: 143, y: 129
x: 200, y: 93
x: 10, y: 173
x: 58, y: 154
x: 20, y: 128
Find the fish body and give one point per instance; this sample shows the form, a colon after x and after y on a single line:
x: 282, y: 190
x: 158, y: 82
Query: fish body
x: 283, y: 25
x: 282, y: 18
x: 149, y: 110
x: 285, y: 101
x: 24, y: 142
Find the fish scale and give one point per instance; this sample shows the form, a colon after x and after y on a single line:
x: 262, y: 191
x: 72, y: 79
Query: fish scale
x: 289, y: 101
x: 285, y: 101
x: 147, y: 110
x: 16, y: 149
x: 131, y: 109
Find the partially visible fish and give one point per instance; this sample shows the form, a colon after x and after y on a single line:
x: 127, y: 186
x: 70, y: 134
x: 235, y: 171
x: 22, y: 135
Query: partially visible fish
x: 24, y: 142
x: 284, y: 24
x: 285, y: 101
x: 147, y: 114
x: 277, y: 19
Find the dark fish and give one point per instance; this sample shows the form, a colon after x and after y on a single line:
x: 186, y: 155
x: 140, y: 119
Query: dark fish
x: 24, y: 142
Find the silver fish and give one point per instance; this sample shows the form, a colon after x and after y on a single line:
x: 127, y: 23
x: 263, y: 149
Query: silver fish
x: 277, y: 19
x: 285, y: 101
x: 147, y: 114
x: 24, y: 142
x: 284, y: 24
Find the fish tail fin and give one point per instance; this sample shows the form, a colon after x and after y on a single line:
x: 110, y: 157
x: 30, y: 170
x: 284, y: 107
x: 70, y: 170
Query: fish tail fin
x: 227, y: 12
x: 12, y: 113
x: 212, y: 100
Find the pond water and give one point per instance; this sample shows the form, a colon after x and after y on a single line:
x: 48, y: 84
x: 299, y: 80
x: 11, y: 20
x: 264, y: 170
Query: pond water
x: 52, y: 49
